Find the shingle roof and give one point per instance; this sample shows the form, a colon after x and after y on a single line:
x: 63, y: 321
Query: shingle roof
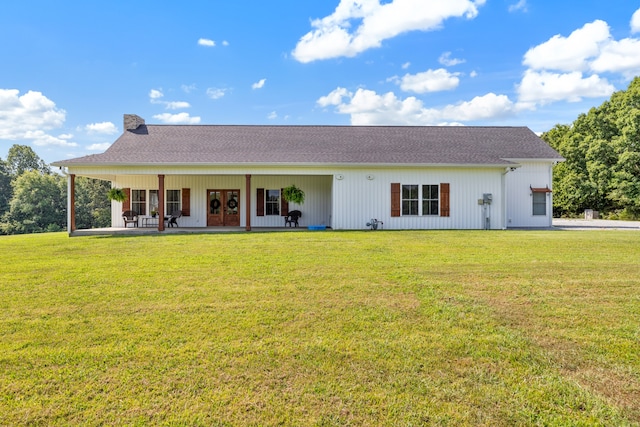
x: 225, y: 144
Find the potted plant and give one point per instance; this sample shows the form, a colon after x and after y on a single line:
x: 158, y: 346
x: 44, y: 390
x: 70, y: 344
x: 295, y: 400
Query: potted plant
x: 154, y: 213
x: 117, y: 194
x: 293, y: 194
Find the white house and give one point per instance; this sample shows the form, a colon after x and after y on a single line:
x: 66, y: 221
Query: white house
x: 408, y: 177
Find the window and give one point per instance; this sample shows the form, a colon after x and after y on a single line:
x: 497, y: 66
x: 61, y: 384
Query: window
x: 539, y: 203
x: 139, y: 201
x: 433, y: 200
x: 409, y: 200
x: 173, y: 201
x: 430, y: 200
x: 273, y: 202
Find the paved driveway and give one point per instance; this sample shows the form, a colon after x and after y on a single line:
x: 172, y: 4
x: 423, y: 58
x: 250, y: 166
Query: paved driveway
x: 595, y: 224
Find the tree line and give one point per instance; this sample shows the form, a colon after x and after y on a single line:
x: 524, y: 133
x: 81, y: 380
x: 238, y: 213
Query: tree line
x: 602, y: 152
x: 33, y: 198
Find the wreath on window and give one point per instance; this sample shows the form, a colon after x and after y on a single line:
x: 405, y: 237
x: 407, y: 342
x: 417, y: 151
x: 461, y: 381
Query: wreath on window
x: 215, y: 204
x: 232, y: 204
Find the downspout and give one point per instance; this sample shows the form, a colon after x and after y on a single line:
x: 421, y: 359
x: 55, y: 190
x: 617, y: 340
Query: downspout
x: 504, y: 195
x: 550, y: 207
x: 503, y: 202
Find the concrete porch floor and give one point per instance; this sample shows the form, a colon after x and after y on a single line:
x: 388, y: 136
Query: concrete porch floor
x: 146, y: 231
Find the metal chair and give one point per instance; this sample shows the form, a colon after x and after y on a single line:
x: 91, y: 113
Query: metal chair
x: 292, y: 218
x: 173, y: 218
x: 130, y: 217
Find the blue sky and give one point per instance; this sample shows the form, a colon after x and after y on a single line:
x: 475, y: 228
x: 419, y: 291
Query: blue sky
x: 71, y: 69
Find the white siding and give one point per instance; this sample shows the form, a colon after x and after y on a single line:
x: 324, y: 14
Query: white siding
x: 519, y: 198
x: 365, y: 194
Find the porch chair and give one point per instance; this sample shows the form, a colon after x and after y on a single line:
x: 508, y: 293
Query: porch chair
x: 130, y: 217
x: 292, y: 218
x: 173, y: 218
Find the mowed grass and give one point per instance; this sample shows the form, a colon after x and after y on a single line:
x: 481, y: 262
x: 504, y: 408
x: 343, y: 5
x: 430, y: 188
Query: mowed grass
x: 382, y: 328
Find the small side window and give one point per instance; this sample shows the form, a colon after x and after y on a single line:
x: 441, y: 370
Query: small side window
x: 539, y: 203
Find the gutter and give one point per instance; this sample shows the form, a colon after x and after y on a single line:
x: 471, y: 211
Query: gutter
x: 297, y: 164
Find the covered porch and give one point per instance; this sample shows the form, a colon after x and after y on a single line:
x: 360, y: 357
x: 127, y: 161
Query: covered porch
x: 219, y: 202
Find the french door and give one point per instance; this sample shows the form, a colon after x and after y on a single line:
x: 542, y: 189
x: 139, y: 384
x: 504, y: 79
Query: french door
x: 223, y: 208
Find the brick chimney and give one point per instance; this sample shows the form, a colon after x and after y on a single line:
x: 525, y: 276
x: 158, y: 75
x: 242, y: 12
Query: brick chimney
x: 132, y: 121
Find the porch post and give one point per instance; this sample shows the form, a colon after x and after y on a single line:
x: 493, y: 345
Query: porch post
x: 71, y: 205
x: 160, y: 202
x: 247, y: 202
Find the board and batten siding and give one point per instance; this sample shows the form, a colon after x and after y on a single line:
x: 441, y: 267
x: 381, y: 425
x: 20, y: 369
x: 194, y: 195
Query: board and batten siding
x: 519, y: 198
x: 359, y: 196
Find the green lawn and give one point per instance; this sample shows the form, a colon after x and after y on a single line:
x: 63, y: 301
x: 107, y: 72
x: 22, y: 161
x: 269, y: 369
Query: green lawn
x: 321, y: 328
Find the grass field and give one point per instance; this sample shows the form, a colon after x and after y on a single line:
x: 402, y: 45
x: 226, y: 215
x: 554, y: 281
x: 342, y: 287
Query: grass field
x: 321, y: 328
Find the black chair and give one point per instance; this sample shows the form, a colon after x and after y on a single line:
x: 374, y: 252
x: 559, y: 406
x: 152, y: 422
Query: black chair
x: 130, y: 217
x: 173, y: 218
x: 292, y: 218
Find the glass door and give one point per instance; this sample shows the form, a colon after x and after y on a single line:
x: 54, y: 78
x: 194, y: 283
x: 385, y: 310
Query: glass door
x: 223, y: 208
x: 232, y: 207
x: 214, y: 213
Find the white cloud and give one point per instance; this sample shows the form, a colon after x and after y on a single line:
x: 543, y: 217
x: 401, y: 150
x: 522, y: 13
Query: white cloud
x: 43, y: 139
x: 521, y: 5
x: 99, y: 147
x: 484, y: 107
x: 107, y: 128
x: 29, y: 116
x: 619, y: 57
x: 259, y: 85
x: 569, y: 53
x: 540, y: 88
x: 446, y: 60
x: 406, y: 65
x: 334, y: 98
x: 569, y: 68
x: 155, y: 94
x: 366, y: 107
x: 272, y: 115
x: 206, y: 42
x: 635, y: 22
x: 428, y: 81
x: 188, y: 88
x: 473, y: 74
x: 180, y: 118
x: 337, y: 35
x: 216, y: 93
x: 177, y: 105
x: 225, y: 43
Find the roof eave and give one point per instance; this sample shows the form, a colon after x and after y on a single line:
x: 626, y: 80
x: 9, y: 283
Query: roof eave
x: 282, y: 164
x: 542, y: 159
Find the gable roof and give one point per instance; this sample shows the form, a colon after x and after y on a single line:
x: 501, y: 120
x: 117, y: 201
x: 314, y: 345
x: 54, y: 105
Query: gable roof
x: 289, y: 145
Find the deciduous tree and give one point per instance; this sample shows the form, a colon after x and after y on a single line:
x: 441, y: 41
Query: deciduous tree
x: 38, y: 204
x: 602, y: 152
